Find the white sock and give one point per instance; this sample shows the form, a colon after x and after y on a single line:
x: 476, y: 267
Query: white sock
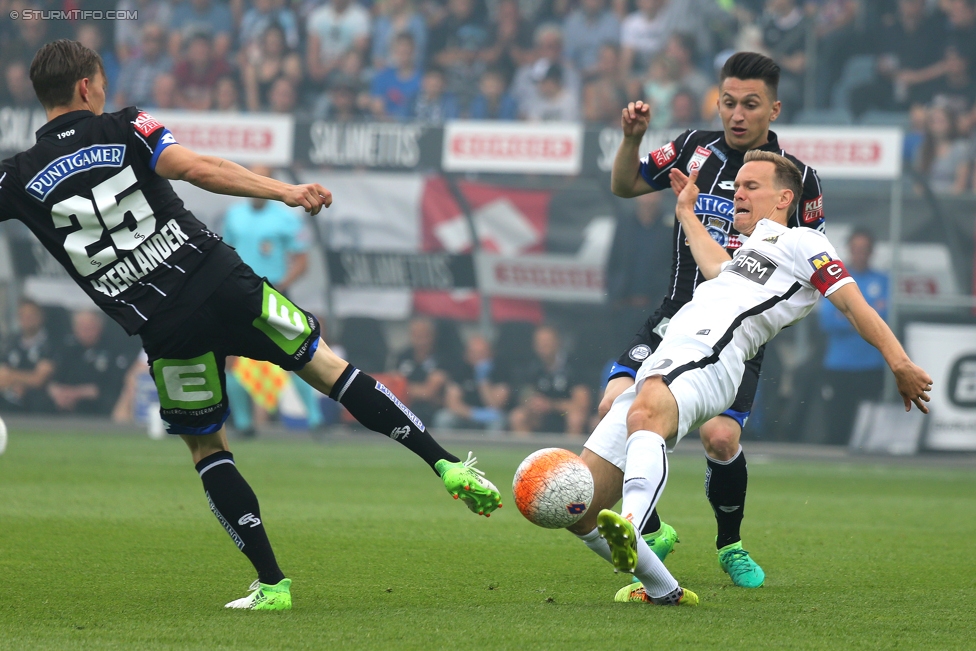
x: 597, y: 544
x: 656, y: 578
x: 645, y: 475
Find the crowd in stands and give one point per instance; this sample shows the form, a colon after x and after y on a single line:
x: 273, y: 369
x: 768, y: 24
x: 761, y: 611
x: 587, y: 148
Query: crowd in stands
x: 905, y: 62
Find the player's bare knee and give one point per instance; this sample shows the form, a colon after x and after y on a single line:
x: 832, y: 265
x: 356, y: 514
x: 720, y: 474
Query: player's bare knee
x: 203, y: 446
x: 720, y: 436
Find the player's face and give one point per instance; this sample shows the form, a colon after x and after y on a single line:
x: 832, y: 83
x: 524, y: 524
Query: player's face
x: 746, y: 109
x: 756, y: 195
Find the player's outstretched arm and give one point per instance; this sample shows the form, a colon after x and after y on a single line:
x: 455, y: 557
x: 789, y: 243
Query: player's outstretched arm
x: 625, y: 178
x: 709, y: 254
x: 221, y: 176
x: 913, y: 382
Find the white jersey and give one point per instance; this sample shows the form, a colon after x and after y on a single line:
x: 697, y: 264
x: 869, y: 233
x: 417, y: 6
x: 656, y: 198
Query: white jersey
x: 774, y: 280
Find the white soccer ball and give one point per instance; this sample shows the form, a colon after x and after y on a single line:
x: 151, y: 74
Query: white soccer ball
x: 3, y: 436
x: 553, y: 488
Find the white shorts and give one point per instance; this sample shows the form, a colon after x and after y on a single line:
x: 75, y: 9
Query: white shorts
x: 703, y: 389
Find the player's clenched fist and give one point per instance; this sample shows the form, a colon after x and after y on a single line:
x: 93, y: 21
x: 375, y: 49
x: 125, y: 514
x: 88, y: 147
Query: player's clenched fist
x: 635, y: 118
x: 310, y: 196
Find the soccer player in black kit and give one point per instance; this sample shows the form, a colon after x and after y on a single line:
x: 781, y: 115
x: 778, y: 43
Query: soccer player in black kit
x: 747, y: 105
x: 94, y: 191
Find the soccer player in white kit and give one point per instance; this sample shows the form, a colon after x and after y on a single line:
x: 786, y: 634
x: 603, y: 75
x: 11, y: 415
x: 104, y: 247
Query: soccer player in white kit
x: 774, y: 280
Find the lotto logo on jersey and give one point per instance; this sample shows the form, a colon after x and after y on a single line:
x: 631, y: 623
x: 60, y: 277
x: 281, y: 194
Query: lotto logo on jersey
x: 664, y: 155
x: 813, y: 210
x: 145, y: 123
x: 698, y: 159
x: 819, y: 260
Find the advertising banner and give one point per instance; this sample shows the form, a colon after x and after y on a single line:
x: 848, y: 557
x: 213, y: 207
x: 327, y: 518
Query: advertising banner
x: 513, y: 147
x: 403, y: 270
x: 846, y: 152
x: 369, y: 145
x: 948, y: 353
x: 243, y: 138
x: 547, y: 277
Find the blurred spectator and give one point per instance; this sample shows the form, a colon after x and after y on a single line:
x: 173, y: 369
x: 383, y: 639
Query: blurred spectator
x: 644, y: 33
x: 957, y: 89
x: 424, y: 373
x: 138, y: 74
x: 639, y: 265
x: 853, y: 368
x: 510, y: 39
x: 445, y: 43
x: 905, y: 54
x: 684, y: 110
x: 434, y: 106
x: 548, y: 51
x: 334, y: 30
x: 164, y: 94
x: 129, y: 34
x: 554, y: 399
x: 18, y: 87
x: 283, y: 96
x: 268, y: 236
x: 227, y: 95
x: 397, y: 17
x: 466, y: 68
x: 394, y: 90
x: 493, y: 101
x: 90, y: 35
x: 24, y: 39
x: 27, y: 363
x: 341, y: 105
x: 784, y: 29
x: 839, y: 37
x: 587, y: 30
x: 268, y: 60
x: 680, y: 50
x: 272, y: 239
x: 261, y: 16
x: 552, y: 102
x: 90, y: 370
x: 196, y: 76
x: 477, y: 396
x: 943, y: 158
x: 605, y: 90
x: 659, y: 88
x: 192, y: 17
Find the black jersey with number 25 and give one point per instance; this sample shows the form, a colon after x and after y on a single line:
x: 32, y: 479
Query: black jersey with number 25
x: 89, y: 192
x: 717, y: 165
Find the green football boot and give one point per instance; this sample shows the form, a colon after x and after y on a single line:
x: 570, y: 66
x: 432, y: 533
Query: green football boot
x: 636, y: 593
x: 265, y: 597
x: 661, y: 542
x: 744, y: 571
x: 621, y: 537
x: 465, y: 482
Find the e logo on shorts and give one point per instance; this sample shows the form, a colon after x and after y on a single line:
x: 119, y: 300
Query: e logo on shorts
x: 188, y: 383
x: 284, y: 323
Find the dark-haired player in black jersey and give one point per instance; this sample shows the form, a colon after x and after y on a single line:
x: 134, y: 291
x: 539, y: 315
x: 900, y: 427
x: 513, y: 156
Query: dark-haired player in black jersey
x: 747, y: 105
x: 94, y: 191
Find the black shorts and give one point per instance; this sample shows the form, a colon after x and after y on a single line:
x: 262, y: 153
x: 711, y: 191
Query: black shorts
x: 648, y: 338
x: 244, y: 316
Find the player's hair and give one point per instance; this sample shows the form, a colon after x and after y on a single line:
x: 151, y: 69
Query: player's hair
x: 58, y: 66
x: 787, y: 176
x: 752, y: 65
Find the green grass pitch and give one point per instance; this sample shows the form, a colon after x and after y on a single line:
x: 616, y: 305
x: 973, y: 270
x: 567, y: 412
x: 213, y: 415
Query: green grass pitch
x: 106, y: 542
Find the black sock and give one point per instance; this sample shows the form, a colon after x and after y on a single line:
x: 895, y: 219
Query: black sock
x: 653, y: 523
x: 236, y: 507
x: 725, y: 488
x: 375, y: 406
